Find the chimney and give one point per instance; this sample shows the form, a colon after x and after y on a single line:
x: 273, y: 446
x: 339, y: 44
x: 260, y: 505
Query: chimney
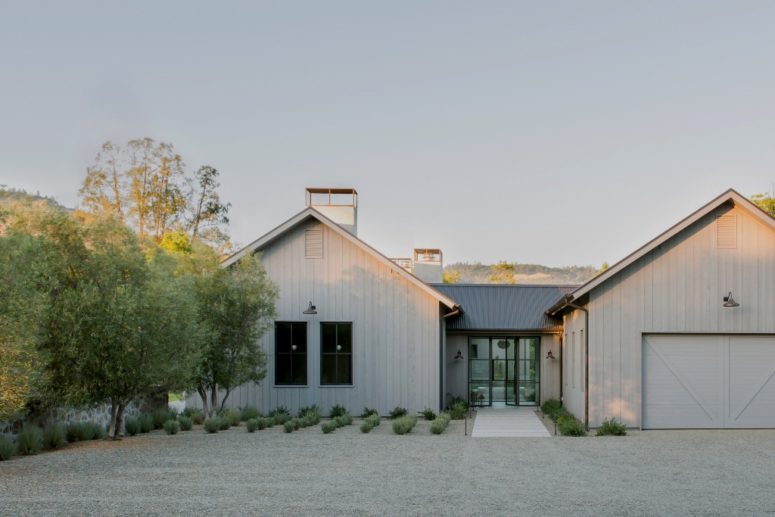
x: 428, y: 265
x: 338, y: 204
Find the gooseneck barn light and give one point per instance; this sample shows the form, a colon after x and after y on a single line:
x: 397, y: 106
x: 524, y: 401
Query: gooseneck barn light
x: 730, y: 302
x: 311, y: 309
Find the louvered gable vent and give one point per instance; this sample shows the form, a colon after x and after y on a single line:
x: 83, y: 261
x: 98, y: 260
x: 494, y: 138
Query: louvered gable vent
x: 313, y: 243
x: 726, y: 231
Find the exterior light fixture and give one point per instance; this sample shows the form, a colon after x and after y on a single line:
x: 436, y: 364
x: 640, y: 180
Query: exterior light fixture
x: 459, y: 355
x: 730, y: 302
x: 311, y: 309
x: 293, y: 348
x: 338, y: 348
x: 503, y: 344
x: 550, y: 355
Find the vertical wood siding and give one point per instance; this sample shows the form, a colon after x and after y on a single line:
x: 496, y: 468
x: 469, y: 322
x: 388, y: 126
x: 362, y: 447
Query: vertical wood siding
x: 677, y: 288
x: 396, y: 328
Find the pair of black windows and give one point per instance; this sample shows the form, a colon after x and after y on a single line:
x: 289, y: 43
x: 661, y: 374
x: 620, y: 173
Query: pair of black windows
x: 336, y: 353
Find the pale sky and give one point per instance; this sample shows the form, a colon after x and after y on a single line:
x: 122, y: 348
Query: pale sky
x: 539, y: 132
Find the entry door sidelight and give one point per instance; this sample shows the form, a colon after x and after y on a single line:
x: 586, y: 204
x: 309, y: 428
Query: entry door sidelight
x: 528, y: 382
x: 503, y: 350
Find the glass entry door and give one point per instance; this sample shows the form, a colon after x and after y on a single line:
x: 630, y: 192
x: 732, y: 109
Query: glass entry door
x: 503, y: 370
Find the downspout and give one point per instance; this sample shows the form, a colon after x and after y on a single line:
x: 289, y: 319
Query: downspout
x: 562, y: 345
x: 586, y: 361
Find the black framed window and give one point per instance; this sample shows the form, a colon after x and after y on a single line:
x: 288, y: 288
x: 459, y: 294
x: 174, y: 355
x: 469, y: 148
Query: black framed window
x: 290, y: 349
x: 336, y: 353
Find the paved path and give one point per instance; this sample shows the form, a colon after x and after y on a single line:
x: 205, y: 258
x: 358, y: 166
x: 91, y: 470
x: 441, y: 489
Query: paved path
x: 508, y: 422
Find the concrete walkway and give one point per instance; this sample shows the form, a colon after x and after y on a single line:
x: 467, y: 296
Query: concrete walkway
x: 508, y: 422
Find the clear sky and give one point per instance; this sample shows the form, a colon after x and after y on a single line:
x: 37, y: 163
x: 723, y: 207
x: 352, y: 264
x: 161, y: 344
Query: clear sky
x: 549, y: 132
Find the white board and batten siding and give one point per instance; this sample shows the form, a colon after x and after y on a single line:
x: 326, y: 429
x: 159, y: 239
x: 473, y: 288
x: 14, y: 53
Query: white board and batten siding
x: 396, y: 326
x: 676, y: 289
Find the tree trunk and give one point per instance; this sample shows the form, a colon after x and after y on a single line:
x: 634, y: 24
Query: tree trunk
x: 119, y: 420
x: 113, y: 413
x: 213, y: 399
x: 203, y: 395
x: 225, y: 396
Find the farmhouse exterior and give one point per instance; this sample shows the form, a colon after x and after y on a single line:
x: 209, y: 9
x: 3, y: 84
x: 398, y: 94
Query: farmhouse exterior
x: 654, y: 341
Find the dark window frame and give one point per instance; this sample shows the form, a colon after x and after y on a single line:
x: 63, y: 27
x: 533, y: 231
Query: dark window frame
x: 336, y: 355
x: 293, y: 355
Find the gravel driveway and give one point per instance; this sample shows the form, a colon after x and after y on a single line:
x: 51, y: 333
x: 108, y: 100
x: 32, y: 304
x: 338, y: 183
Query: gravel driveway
x: 269, y: 472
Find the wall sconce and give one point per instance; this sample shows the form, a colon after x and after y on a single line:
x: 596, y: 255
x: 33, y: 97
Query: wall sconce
x: 311, y: 309
x: 729, y: 301
x: 550, y: 355
x: 459, y: 355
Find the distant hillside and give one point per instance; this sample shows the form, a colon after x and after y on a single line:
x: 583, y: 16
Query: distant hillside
x: 11, y: 195
x: 517, y: 273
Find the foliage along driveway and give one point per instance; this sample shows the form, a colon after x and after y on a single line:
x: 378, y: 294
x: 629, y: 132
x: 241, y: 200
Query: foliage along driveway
x: 306, y: 472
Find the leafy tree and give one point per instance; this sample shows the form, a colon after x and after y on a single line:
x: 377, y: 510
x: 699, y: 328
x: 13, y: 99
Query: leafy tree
x: 450, y: 276
x: 603, y: 267
x: 208, y: 213
x: 503, y: 273
x: 236, y: 305
x: 766, y: 202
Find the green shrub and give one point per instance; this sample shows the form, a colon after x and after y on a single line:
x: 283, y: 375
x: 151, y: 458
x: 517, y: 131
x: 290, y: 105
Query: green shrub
x: 328, y: 426
x: 231, y: 415
x: 310, y: 418
x: 146, y: 423
x: 74, y: 432
x: 185, y: 423
x: 92, y: 431
x: 197, y: 416
x: 569, y: 426
x: 171, y: 427
x: 132, y: 426
x: 249, y: 412
x: 252, y: 425
x: 337, y: 410
x: 280, y: 410
x: 224, y: 423
x: 397, y: 412
x: 290, y: 425
x: 308, y: 410
x: 265, y: 423
x: 162, y: 415
x: 439, y: 425
x: 428, y: 414
x: 29, y: 440
x: 611, y: 427
x: 551, y: 407
x: 343, y: 420
x: 366, y: 427
x: 367, y: 411
x: 7, y: 448
x: 457, y: 410
x: 404, y: 424
x: 373, y: 420
x: 53, y: 436
x: 213, y: 425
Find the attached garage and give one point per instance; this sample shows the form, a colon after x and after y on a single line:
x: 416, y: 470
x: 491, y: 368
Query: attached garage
x: 708, y: 381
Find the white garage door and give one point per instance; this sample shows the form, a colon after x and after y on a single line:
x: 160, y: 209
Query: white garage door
x: 708, y: 381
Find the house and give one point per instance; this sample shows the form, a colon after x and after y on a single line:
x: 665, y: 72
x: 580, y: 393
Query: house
x: 681, y: 333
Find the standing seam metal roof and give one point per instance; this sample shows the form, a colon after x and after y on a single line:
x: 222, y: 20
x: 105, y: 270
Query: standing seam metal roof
x: 503, y: 307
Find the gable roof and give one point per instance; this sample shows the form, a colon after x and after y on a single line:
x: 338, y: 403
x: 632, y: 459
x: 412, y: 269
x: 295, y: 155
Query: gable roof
x: 311, y: 213
x: 731, y: 196
x: 504, y: 307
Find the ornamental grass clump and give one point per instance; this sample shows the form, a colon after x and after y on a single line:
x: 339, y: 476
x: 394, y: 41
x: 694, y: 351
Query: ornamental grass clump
x: 29, y: 440
x: 252, y: 425
x: 248, y: 413
x: 132, y: 426
x: 185, y: 423
x: 7, y: 448
x: 343, y: 420
x: 397, y: 412
x: 337, y: 410
x: 457, y: 410
x: 369, y: 423
x: 232, y: 416
x: 171, y: 427
x: 146, y: 423
x: 92, y: 431
x: 428, y: 414
x: 551, y: 408
x: 367, y: 411
x: 290, y: 426
x: 328, y: 426
x: 611, y: 427
x: 569, y: 426
x: 224, y: 423
x: 404, y: 424
x: 439, y: 425
x: 75, y: 432
x: 54, y: 436
x: 196, y: 415
x: 265, y: 423
x: 213, y: 425
x: 160, y: 416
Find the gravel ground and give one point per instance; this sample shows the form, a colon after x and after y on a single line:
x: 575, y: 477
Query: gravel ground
x: 307, y: 472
